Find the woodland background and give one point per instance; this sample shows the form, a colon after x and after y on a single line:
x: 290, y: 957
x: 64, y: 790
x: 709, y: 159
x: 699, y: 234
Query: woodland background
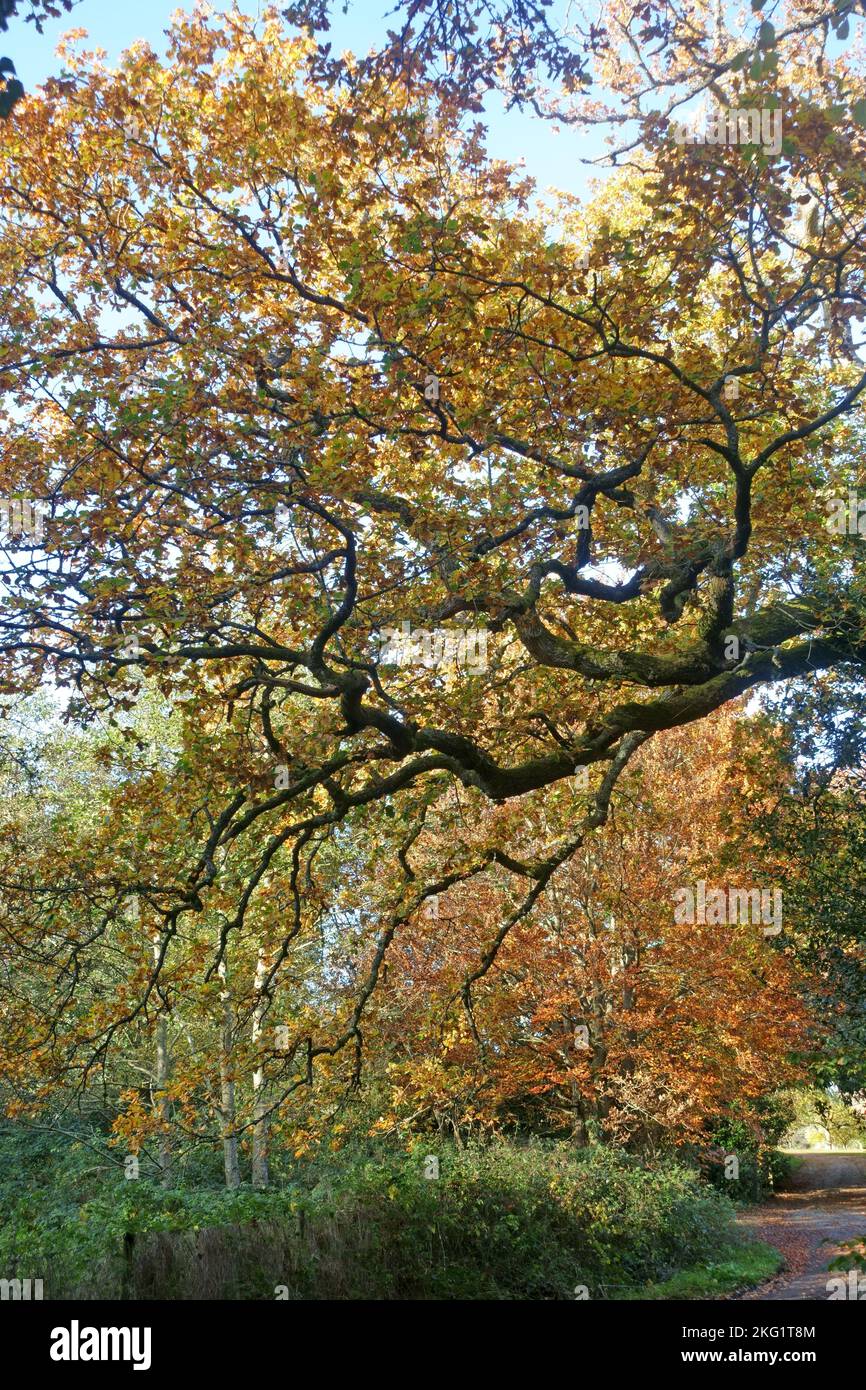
x: 328, y: 978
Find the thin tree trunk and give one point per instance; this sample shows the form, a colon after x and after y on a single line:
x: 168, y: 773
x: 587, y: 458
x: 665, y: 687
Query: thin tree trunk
x: 579, y: 1132
x: 630, y: 958
x: 260, y: 1123
x: 160, y: 1084
x: 227, y: 1087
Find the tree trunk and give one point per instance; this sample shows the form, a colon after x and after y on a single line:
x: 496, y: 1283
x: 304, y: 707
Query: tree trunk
x: 160, y: 1083
x: 579, y: 1132
x: 227, y: 1087
x: 260, y: 1123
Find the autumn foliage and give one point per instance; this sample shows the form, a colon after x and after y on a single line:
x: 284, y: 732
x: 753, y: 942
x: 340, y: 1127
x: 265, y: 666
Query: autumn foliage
x: 289, y: 363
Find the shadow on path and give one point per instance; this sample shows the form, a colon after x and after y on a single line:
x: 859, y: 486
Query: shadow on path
x: 798, y: 1224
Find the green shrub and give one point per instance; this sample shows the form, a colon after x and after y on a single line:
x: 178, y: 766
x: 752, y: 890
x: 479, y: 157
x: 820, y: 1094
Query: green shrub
x: 500, y: 1222
x: 750, y: 1134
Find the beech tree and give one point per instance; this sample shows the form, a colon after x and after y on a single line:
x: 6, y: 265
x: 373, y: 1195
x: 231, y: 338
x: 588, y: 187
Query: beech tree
x: 605, y: 1015
x: 291, y: 367
x: 608, y: 61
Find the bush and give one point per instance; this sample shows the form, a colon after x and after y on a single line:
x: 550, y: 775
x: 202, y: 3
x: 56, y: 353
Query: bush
x: 751, y: 1135
x: 500, y: 1222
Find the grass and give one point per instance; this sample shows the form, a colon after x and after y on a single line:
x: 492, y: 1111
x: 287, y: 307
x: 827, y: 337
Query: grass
x: 743, y: 1267
x: 816, y: 1153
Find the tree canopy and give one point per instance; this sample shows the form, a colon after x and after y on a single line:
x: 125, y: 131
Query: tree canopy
x: 293, y: 368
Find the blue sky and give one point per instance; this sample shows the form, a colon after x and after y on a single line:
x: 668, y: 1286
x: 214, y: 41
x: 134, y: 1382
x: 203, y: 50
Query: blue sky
x: 552, y: 158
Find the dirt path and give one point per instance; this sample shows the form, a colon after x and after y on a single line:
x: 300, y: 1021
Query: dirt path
x: 798, y: 1224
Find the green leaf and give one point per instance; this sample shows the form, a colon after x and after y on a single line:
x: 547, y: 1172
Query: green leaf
x: 858, y: 111
x: 766, y: 35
